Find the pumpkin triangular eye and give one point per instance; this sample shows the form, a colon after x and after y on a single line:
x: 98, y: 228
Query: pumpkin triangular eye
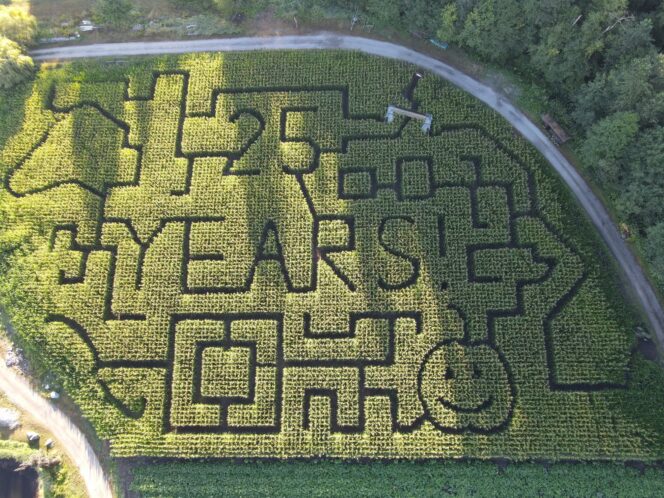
x: 449, y: 373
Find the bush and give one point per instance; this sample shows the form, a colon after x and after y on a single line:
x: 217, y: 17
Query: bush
x: 606, y: 142
x: 230, y: 7
x: 14, y: 65
x: 653, y: 249
x: 118, y: 14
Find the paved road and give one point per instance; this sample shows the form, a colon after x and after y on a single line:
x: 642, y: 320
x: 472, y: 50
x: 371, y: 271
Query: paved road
x: 73, y: 441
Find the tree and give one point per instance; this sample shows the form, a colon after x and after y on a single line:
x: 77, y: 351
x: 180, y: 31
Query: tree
x: 230, y: 7
x: 606, y: 143
x: 14, y: 65
x: 420, y: 15
x: 573, y: 50
x: 652, y: 111
x: 448, y: 29
x: 496, y: 31
x: 560, y: 57
x: 634, y: 85
x: 546, y: 14
x: 655, y: 13
x: 17, y: 24
x: 591, y: 102
x: 384, y: 12
x: 643, y: 186
x: 629, y: 40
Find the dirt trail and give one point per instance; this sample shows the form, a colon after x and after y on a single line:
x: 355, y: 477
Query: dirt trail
x: 72, y: 440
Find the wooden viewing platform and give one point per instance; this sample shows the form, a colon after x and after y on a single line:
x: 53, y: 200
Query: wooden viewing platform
x: 426, y: 118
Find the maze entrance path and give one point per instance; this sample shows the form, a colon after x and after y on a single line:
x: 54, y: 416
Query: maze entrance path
x: 242, y: 258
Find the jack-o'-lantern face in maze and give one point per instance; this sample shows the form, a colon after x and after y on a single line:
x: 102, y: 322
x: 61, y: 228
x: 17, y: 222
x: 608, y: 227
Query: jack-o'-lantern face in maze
x: 466, y: 387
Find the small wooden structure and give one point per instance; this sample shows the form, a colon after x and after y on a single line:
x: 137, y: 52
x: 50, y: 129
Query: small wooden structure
x: 552, y: 125
x: 426, y: 118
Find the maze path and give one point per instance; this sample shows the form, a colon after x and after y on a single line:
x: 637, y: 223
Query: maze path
x: 280, y: 267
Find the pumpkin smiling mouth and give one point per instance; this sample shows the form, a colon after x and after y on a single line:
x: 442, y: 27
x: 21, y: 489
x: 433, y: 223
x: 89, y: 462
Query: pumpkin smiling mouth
x: 481, y: 407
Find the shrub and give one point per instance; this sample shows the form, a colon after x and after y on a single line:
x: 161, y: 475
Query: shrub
x: 117, y: 14
x: 15, y: 66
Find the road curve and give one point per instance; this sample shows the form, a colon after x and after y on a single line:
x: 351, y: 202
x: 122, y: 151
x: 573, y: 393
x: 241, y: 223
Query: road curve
x: 597, y: 213
x: 72, y: 440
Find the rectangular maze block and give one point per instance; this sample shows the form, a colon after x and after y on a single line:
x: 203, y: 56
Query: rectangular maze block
x: 226, y: 373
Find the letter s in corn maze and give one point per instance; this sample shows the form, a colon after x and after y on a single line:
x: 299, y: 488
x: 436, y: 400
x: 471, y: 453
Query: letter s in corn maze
x: 271, y: 271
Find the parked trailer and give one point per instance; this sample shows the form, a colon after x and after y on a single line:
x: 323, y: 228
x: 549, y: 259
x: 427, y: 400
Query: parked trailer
x: 552, y: 125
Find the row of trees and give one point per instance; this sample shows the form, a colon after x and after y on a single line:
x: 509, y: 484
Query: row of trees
x: 17, y: 31
x: 122, y: 14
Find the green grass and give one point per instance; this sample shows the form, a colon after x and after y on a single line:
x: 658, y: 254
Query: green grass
x: 55, y: 481
x: 236, y: 256
x: 15, y: 450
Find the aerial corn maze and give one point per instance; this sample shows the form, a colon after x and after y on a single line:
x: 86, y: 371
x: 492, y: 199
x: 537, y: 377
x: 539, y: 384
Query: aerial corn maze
x: 239, y: 256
